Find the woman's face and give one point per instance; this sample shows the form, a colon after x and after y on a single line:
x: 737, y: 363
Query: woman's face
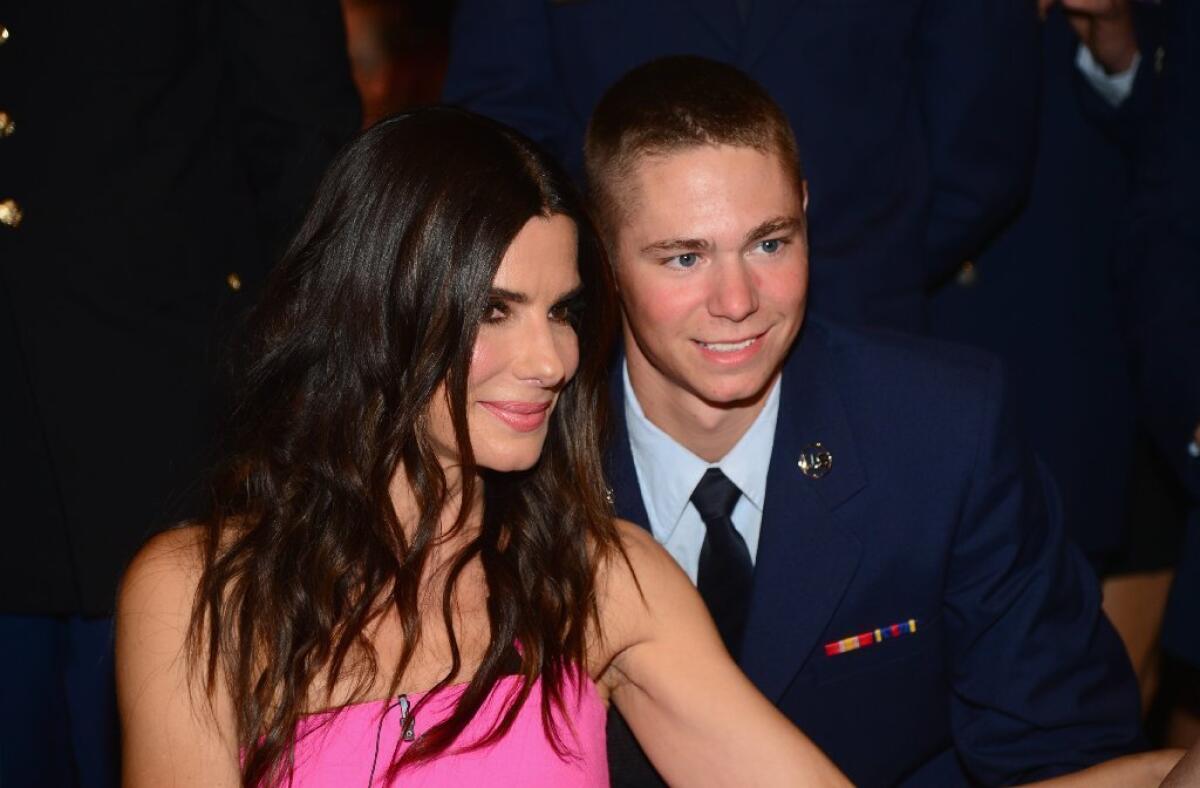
x: 525, y: 353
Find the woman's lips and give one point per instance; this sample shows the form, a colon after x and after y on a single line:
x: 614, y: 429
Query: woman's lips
x: 521, y: 416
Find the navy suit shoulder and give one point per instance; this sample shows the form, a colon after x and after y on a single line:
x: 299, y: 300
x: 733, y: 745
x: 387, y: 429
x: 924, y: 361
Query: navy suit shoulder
x: 906, y: 366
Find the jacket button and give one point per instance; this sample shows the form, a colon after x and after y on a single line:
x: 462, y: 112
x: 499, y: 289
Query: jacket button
x: 7, y: 127
x: 3, y: 34
x: 967, y: 274
x: 233, y: 281
x: 10, y: 213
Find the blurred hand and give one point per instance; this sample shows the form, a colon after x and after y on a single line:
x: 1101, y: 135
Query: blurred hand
x: 1104, y: 26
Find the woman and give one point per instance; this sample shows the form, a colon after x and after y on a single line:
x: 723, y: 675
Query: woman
x: 410, y: 555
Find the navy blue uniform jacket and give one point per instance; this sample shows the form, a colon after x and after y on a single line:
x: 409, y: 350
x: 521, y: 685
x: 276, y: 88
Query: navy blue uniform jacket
x: 933, y: 510
x: 915, y: 118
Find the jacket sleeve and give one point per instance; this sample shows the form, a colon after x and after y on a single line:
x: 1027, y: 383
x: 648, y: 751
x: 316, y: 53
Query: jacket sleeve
x: 1040, y: 681
x: 502, y: 65
x: 296, y: 104
x: 979, y: 66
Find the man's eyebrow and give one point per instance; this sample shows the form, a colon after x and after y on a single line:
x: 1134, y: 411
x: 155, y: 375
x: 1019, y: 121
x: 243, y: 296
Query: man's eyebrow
x: 673, y: 244
x: 774, y: 226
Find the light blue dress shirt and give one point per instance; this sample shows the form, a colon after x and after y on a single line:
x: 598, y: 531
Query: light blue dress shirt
x: 1113, y: 88
x: 668, y: 473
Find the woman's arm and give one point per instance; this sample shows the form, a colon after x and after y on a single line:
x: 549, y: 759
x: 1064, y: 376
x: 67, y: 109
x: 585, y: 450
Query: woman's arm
x: 698, y: 718
x: 171, y: 735
x: 1142, y: 770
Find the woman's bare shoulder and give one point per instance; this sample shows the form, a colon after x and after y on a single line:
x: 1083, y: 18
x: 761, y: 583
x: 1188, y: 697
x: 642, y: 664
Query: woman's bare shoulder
x: 647, y: 560
x: 636, y: 584
x: 159, y: 585
x: 173, y: 556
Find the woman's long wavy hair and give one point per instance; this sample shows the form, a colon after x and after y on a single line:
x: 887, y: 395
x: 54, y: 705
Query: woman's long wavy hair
x: 375, y: 304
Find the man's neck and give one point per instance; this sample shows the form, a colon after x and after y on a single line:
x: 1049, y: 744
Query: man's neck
x: 709, y: 431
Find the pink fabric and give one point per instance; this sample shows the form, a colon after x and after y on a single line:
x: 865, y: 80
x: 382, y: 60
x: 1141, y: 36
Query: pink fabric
x: 335, y: 749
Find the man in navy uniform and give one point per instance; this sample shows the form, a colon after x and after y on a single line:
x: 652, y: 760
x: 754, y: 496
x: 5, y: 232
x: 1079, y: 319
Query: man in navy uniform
x: 879, y: 550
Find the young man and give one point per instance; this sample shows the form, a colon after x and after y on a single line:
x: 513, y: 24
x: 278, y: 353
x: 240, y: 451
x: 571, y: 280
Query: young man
x: 878, y: 549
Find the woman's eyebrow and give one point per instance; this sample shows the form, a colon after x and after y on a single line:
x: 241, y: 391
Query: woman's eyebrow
x: 571, y: 295
x: 508, y: 295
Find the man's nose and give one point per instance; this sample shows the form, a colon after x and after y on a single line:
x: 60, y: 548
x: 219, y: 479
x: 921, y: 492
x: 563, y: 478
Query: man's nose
x: 734, y: 295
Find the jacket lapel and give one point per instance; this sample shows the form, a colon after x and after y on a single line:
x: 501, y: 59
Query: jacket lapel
x: 806, y: 557
x: 622, y: 474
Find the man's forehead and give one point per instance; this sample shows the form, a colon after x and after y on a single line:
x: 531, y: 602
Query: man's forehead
x: 671, y: 179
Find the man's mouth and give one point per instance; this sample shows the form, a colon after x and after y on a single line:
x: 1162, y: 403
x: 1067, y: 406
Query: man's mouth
x: 728, y: 347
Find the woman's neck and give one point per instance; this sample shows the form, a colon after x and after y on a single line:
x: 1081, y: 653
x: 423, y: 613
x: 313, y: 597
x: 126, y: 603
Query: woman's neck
x: 409, y: 509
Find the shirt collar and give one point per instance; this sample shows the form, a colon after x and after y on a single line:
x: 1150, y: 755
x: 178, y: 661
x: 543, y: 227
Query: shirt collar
x: 668, y: 472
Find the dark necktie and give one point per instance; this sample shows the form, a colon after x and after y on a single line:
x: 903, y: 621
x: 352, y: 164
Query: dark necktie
x: 726, y: 573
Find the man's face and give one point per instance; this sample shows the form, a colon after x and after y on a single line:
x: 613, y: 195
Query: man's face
x: 712, y: 266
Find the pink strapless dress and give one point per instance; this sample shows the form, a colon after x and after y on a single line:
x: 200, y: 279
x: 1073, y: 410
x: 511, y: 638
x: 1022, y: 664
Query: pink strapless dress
x: 337, y: 749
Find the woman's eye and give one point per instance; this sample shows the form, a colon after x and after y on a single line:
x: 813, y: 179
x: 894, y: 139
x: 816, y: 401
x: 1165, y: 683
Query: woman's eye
x: 494, y: 312
x: 560, y: 313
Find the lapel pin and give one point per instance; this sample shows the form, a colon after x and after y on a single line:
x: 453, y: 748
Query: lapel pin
x: 815, y: 461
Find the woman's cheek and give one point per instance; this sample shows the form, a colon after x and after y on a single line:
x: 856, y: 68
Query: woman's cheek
x: 486, y: 358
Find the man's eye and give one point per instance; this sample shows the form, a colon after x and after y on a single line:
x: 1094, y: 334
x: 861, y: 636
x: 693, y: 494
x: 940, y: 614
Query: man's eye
x: 686, y: 260
x: 771, y: 245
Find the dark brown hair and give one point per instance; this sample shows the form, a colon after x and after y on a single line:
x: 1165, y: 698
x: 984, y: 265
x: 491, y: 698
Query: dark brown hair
x: 376, y: 303
x: 671, y: 103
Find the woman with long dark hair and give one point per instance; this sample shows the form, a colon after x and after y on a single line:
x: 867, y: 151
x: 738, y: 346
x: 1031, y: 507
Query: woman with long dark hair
x: 410, y: 568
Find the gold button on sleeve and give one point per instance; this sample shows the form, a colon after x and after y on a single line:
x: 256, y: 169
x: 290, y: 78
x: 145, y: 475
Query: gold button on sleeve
x: 3, y: 34
x: 10, y: 213
x: 7, y: 127
x: 234, y: 281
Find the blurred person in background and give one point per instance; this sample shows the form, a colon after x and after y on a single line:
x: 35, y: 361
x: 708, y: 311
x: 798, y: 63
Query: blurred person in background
x: 917, y: 117
x: 398, y: 51
x: 1165, y: 215
x: 154, y: 157
x: 1091, y: 327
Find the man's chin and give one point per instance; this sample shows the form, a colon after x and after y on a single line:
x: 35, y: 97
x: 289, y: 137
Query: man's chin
x: 736, y: 394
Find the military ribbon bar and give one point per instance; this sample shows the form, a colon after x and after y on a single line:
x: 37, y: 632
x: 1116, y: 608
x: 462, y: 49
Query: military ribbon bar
x: 869, y: 638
